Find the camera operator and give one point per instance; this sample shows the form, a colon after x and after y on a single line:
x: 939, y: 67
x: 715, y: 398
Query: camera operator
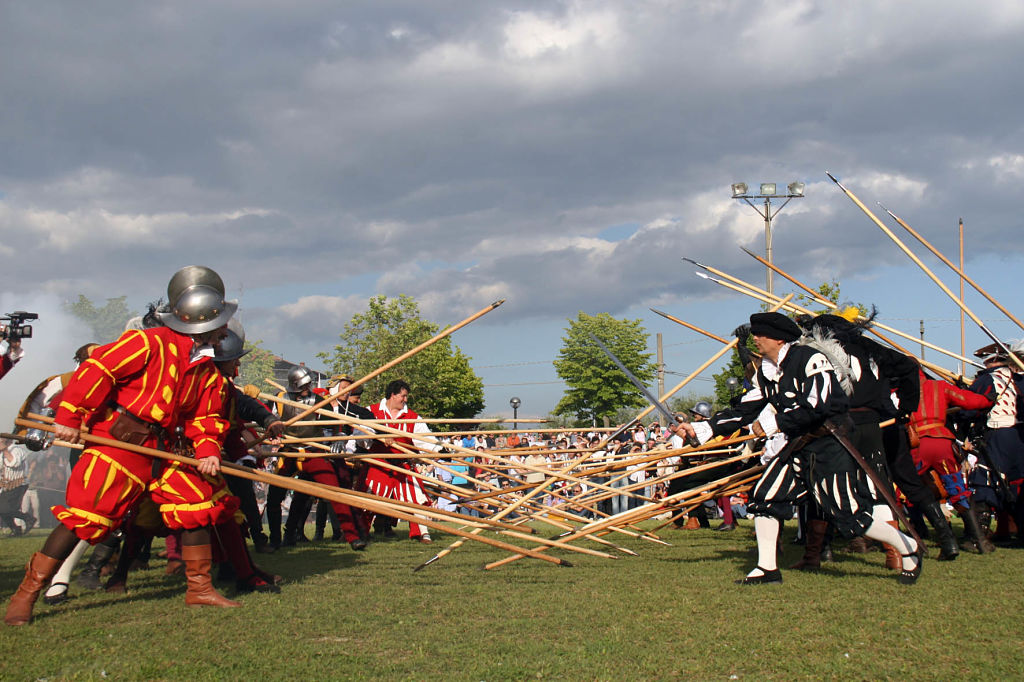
x: 13, y: 333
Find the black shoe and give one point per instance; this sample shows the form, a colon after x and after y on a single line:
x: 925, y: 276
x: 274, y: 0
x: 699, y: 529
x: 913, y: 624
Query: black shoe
x: 318, y: 537
x: 910, y: 577
x: 57, y: 598
x: 727, y: 526
x: 358, y: 545
x: 289, y: 540
x: 773, y: 577
x: 301, y: 537
x: 265, y: 548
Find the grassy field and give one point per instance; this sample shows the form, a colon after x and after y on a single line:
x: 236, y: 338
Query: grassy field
x: 672, y: 612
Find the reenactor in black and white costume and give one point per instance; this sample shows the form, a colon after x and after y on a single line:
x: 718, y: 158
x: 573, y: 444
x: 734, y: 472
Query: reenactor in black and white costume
x: 873, y: 372
x: 795, y: 392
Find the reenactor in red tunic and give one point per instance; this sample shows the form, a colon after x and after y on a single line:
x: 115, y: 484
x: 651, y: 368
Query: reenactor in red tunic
x: 156, y: 388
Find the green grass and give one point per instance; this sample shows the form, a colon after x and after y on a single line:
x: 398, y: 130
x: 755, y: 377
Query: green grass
x: 671, y: 613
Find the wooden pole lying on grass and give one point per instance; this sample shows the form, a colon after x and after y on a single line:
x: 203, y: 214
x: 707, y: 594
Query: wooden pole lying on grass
x: 371, y: 503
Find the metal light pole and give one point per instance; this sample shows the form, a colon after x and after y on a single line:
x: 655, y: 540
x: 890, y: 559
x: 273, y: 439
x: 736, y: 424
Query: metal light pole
x: 767, y: 192
x: 515, y: 403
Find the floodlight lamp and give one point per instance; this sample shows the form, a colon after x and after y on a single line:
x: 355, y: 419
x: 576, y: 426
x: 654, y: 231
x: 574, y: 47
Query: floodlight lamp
x: 768, y: 189
x: 796, y: 189
x: 739, y: 189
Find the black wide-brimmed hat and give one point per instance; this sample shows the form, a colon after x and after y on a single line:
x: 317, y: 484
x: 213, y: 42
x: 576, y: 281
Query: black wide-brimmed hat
x: 774, y: 326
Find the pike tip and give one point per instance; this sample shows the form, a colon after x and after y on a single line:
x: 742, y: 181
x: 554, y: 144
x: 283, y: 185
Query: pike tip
x: 657, y: 312
x: 703, y: 275
x: 498, y: 302
x: 690, y: 260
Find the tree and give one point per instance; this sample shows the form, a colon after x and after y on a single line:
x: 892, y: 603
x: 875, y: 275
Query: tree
x: 256, y: 366
x: 443, y: 384
x: 597, y: 388
x: 107, y: 323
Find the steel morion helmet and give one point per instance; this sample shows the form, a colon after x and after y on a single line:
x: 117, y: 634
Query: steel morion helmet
x: 298, y: 378
x: 197, y: 305
x: 703, y: 408
x: 191, y: 275
x: 233, y: 346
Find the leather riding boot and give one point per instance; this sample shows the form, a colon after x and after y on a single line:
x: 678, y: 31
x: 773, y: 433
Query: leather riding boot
x: 973, y: 532
x: 813, y: 543
x: 201, y: 592
x: 893, y: 558
x: 89, y: 578
x: 943, y: 533
x: 38, y: 572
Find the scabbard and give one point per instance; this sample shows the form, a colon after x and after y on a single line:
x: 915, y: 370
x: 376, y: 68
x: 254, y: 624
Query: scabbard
x: 884, y: 487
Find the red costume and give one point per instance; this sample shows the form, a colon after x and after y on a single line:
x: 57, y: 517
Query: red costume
x: 935, y: 453
x: 392, y: 484
x: 152, y: 376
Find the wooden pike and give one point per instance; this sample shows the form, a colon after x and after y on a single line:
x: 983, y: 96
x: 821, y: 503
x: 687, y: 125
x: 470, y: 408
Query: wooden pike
x: 371, y: 503
x: 595, y: 526
x: 768, y: 298
x: 958, y: 270
x: 834, y: 305
x: 689, y: 326
x: 764, y: 295
x: 931, y: 275
x: 401, y: 358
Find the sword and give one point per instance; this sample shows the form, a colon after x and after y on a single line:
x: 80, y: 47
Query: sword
x: 884, y: 487
x: 636, y: 382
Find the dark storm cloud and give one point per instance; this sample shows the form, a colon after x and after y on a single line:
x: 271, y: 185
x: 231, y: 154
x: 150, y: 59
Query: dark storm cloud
x: 465, y: 152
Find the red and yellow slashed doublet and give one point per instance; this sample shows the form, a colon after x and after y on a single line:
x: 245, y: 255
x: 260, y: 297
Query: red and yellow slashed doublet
x: 149, y: 374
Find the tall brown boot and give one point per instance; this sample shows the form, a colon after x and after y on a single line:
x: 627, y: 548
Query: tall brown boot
x: 38, y: 572
x: 893, y: 558
x: 811, y: 560
x: 200, y: 590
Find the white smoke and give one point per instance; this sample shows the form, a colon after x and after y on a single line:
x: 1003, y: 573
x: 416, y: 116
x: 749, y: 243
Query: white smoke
x: 56, y: 335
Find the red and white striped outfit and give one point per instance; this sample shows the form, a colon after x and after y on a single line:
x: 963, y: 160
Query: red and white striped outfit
x: 392, y: 484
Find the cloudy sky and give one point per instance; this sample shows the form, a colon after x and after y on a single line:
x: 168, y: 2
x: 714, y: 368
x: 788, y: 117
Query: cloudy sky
x: 561, y: 155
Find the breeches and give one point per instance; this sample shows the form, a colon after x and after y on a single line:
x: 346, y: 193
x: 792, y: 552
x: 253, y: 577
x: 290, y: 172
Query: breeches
x: 936, y: 455
x: 107, y: 481
x: 825, y: 471
x: 396, y: 486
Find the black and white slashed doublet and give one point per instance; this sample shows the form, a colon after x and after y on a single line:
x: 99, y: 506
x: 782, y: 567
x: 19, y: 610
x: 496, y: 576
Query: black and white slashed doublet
x: 791, y: 398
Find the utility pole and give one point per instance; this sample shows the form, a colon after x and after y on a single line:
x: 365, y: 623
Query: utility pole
x: 661, y: 367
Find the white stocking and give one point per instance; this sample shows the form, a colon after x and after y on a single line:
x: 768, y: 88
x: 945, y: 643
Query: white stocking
x: 59, y: 584
x: 766, y: 529
x: 883, y: 532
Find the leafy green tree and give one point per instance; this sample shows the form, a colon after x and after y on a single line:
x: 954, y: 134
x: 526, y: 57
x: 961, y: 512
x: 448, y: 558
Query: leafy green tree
x: 256, y: 367
x: 597, y: 388
x: 443, y: 384
x: 107, y: 322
